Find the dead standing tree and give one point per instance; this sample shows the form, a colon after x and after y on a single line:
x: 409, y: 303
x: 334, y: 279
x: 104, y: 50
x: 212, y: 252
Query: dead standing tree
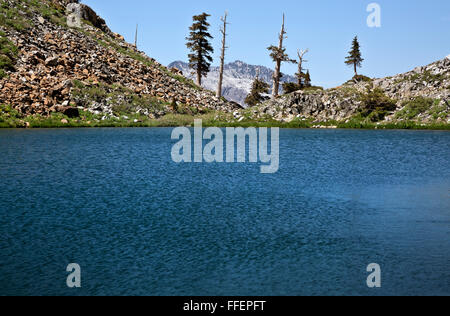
x: 279, y: 55
x: 223, y: 30
x: 300, y: 75
x: 136, y: 36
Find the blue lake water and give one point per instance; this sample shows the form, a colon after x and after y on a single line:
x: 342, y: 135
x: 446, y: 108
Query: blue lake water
x: 113, y: 201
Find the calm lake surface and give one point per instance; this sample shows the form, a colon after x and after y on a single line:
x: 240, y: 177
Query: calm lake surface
x: 113, y: 201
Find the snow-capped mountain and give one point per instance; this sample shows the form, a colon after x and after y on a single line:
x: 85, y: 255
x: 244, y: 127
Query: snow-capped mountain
x: 237, y: 81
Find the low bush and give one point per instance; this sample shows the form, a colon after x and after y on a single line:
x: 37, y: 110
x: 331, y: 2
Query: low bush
x: 312, y: 89
x: 362, y: 78
x: 358, y: 79
x: 414, y: 107
x: 375, y: 105
x: 8, y: 55
x: 289, y: 87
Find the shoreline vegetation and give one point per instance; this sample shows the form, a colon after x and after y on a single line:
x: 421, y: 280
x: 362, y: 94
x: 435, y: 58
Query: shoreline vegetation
x: 91, y: 102
x: 10, y: 118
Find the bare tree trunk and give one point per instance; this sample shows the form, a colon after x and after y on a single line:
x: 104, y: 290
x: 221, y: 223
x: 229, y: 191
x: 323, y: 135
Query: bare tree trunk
x: 277, y: 74
x: 199, y: 70
x: 301, y: 54
x: 356, y: 70
x: 136, y: 36
x: 222, y: 57
x: 199, y: 78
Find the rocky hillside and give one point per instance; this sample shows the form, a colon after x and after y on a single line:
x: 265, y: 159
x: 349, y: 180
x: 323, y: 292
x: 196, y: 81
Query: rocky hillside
x: 421, y: 95
x: 58, y: 55
x: 238, y: 78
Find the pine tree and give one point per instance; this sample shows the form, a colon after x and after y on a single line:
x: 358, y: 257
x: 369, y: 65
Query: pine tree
x: 198, y: 42
x: 300, y: 74
x: 307, y: 81
x: 354, y: 58
x: 255, y: 97
x: 279, y: 55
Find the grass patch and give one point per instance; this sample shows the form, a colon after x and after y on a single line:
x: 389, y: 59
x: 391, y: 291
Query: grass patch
x: 50, y: 11
x: 11, y: 17
x: 19, y: 16
x: 10, y: 118
x: 290, y: 87
x: 313, y: 89
x: 347, y: 92
x: 8, y: 55
x: 439, y: 111
x: 425, y: 76
x: 414, y: 107
x: 124, y: 101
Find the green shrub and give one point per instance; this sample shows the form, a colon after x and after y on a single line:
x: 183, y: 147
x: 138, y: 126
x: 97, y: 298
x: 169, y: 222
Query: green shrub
x: 312, y: 89
x: 414, y: 107
x: 362, y: 78
x: 425, y: 76
x: 359, y: 78
x: 289, y: 87
x: 439, y: 111
x: 376, y: 105
x: 8, y: 55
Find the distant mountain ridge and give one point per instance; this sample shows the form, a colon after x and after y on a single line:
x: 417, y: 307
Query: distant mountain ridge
x: 238, y: 78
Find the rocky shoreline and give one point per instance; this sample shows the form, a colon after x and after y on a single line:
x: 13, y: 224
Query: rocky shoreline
x: 431, y: 82
x: 65, y: 74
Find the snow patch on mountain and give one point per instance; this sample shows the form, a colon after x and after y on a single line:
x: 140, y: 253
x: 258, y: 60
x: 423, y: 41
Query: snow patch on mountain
x: 237, y: 81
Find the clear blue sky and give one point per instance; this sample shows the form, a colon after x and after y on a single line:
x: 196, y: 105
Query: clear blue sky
x: 413, y: 33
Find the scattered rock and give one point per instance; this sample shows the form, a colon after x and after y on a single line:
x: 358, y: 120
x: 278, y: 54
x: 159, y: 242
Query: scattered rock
x: 51, y: 61
x: 52, y: 57
x: 342, y: 103
x: 176, y: 71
